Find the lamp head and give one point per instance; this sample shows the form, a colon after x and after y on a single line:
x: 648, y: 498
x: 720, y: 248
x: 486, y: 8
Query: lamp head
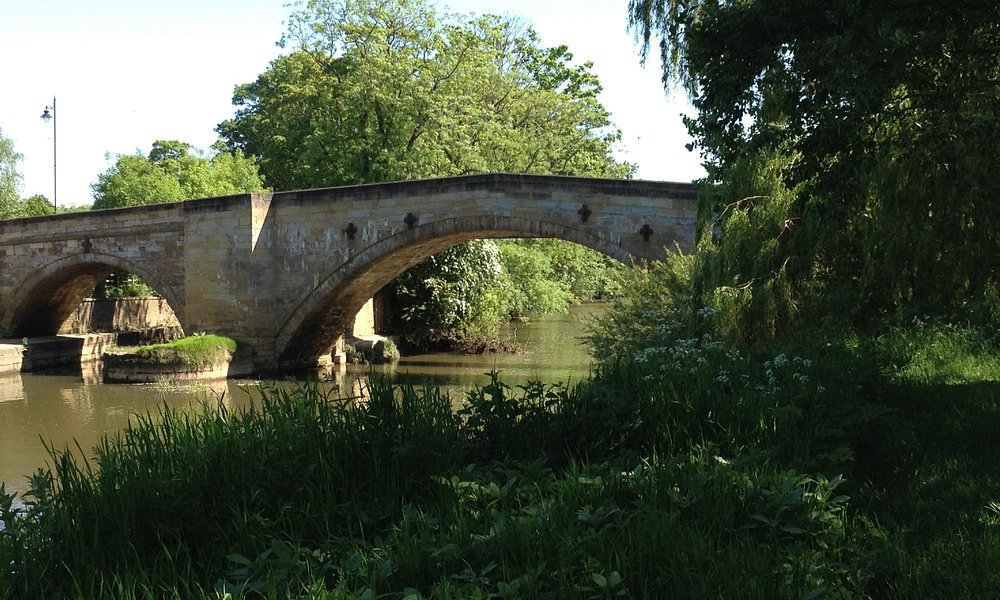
x: 45, y: 115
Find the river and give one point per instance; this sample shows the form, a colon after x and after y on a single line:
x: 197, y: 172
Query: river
x: 76, y: 409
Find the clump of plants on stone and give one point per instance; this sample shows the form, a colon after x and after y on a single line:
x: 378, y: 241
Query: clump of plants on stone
x: 196, y: 351
x: 379, y: 352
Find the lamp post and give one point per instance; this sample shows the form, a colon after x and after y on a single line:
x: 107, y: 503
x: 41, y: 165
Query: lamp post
x: 45, y: 117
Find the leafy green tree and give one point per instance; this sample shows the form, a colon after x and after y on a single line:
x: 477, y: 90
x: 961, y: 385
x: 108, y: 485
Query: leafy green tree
x: 533, y: 284
x: 458, y: 294
x: 380, y: 90
x: 865, y: 130
x: 11, y: 205
x: 9, y: 177
x: 388, y: 90
x: 174, y: 171
x: 38, y: 205
x: 547, y: 275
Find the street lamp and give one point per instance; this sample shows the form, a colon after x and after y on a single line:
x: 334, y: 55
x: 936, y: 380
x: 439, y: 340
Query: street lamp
x: 45, y: 117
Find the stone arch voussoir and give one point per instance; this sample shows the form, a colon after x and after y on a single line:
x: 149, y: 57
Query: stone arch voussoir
x: 317, y: 321
x: 28, y: 288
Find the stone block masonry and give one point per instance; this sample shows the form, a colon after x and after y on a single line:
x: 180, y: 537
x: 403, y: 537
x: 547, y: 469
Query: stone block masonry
x: 284, y: 273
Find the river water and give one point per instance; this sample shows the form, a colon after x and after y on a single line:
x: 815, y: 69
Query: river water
x: 77, y: 410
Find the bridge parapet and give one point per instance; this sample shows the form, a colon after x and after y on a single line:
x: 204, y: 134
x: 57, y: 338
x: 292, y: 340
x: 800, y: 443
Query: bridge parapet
x: 285, y: 272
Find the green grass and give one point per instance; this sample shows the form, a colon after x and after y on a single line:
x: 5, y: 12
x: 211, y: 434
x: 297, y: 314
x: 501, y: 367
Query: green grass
x: 692, y: 471
x: 191, y: 351
x: 939, y: 354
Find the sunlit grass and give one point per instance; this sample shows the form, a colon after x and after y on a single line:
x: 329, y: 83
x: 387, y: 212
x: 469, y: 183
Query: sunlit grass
x: 191, y: 351
x: 939, y: 354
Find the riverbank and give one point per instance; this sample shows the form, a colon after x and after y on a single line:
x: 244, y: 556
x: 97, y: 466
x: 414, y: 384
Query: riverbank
x: 851, y: 468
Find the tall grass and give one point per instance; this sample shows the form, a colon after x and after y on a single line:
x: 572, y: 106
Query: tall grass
x: 692, y: 470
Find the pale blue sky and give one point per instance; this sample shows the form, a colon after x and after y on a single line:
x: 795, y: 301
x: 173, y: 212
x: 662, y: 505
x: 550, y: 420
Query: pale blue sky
x: 128, y: 72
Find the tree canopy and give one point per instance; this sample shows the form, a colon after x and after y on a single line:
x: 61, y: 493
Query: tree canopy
x: 388, y: 90
x: 861, y: 133
x: 12, y: 206
x: 9, y: 177
x: 174, y: 171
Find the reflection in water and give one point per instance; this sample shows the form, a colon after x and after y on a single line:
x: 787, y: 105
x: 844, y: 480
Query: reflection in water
x: 70, y: 409
x: 11, y: 387
x: 553, y: 351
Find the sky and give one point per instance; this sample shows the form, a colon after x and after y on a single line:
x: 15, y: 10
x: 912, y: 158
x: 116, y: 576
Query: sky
x: 127, y: 72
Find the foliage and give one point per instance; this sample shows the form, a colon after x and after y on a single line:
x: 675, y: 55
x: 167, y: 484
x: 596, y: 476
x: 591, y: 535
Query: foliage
x: 380, y: 352
x: 546, y: 275
x: 468, y: 291
x: 9, y: 177
x: 11, y: 205
x: 35, y: 206
x: 192, y: 351
x: 382, y: 91
x: 122, y: 284
x: 693, y: 470
x: 938, y: 354
x: 174, y: 171
x: 654, y: 299
x: 455, y: 294
x: 589, y: 274
x: 743, y: 268
x: 533, y: 284
x: 875, y: 125
x: 377, y: 91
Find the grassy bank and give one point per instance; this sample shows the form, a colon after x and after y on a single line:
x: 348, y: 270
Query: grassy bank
x: 843, y: 469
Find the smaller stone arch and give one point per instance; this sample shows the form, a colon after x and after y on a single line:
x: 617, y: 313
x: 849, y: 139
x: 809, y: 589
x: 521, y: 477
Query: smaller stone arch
x: 314, y: 326
x: 49, y: 295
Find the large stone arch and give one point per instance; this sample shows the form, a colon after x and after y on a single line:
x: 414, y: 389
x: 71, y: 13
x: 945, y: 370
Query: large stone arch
x: 49, y: 295
x: 320, y: 318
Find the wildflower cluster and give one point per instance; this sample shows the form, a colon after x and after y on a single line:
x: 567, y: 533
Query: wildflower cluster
x: 672, y: 355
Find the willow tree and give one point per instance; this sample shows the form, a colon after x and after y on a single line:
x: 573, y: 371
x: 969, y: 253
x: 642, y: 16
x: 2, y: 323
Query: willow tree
x: 383, y: 90
x: 852, y: 144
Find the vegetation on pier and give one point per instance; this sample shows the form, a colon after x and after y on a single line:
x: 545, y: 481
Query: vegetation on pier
x: 196, y: 351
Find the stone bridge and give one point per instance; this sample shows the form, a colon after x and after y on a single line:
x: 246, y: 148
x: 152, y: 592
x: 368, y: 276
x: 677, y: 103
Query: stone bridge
x: 286, y: 272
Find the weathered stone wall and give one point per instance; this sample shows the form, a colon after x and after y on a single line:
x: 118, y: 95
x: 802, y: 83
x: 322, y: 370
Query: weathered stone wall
x: 13, y: 358
x: 229, y: 280
x: 120, y: 314
x: 364, y: 321
x: 285, y: 273
x: 48, y: 265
